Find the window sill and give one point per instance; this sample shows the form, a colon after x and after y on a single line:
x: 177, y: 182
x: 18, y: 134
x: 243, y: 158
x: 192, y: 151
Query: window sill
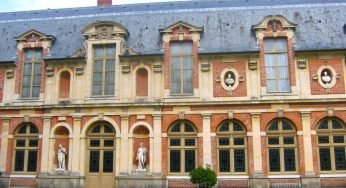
x: 232, y: 177
x: 22, y: 175
x: 284, y: 176
x: 279, y: 94
x: 178, y: 177
x: 333, y: 175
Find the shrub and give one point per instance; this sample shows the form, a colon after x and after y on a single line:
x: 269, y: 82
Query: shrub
x: 204, y: 177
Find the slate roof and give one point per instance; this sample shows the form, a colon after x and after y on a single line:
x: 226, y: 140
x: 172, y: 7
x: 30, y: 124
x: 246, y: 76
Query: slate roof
x: 226, y: 23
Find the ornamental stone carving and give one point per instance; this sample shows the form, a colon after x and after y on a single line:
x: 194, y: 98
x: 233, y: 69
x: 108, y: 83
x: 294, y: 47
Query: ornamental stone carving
x: 205, y: 67
x: 49, y: 71
x: 125, y: 68
x: 326, y: 77
x: 301, y: 63
x: 9, y: 73
x: 230, y: 79
x: 79, y: 70
x: 157, y: 67
x: 104, y: 32
x: 252, y: 65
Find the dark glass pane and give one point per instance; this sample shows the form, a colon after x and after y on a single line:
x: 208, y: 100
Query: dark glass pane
x: 32, y: 161
x: 338, y: 139
x: 190, y: 160
x: 109, y: 89
x: 340, y: 160
x: 94, y: 161
x: 189, y: 128
x: 108, y: 129
x: 22, y: 130
x: 224, y: 160
x: 96, y: 129
x: 33, y: 143
x: 97, y: 89
x: 224, y: 127
x: 273, y: 140
x: 174, y: 161
x: 237, y: 127
x: 274, y: 126
x: 33, y: 129
x: 325, y: 164
x: 20, y: 143
x: 19, y: 160
x: 110, y: 51
x: 290, y: 161
x: 323, y: 124
x: 274, y: 160
x: 175, y: 88
x: 94, y: 143
x: 190, y: 142
x: 288, y: 140
x: 108, y: 143
x: 108, y: 161
x: 37, y: 71
x: 98, y: 51
x: 35, y: 91
x: 25, y: 92
x: 286, y: 126
x: 238, y: 141
x: 188, y: 87
x: 239, y: 160
x: 223, y: 141
x: 176, y: 128
x: 336, y: 124
x: 174, y: 142
x: 323, y: 139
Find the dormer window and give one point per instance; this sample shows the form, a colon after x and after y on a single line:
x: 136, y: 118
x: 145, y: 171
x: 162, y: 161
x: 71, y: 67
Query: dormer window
x: 31, y: 73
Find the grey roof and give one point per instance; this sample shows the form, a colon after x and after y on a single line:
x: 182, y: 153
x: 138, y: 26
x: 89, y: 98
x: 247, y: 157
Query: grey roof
x: 226, y: 23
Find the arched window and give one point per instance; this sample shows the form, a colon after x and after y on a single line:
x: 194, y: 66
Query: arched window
x: 331, y: 143
x: 282, y: 147
x: 231, y: 147
x: 142, y: 82
x: 64, y: 85
x: 182, y: 146
x: 101, y: 146
x: 26, y: 148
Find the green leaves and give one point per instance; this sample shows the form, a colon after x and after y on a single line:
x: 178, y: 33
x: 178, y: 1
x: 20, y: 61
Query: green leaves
x: 205, y: 177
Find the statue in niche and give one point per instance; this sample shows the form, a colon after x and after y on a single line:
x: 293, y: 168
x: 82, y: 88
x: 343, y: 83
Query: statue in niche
x: 141, y: 157
x: 229, y: 80
x: 326, y: 77
x: 61, y: 157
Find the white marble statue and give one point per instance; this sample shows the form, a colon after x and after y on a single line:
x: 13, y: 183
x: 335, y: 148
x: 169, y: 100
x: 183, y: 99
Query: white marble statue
x: 141, y: 157
x: 326, y: 78
x: 229, y: 80
x: 61, y: 157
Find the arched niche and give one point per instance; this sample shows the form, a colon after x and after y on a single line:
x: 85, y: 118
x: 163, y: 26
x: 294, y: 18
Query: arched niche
x: 142, y: 82
x: 64, y: 85
x: 141, y: 135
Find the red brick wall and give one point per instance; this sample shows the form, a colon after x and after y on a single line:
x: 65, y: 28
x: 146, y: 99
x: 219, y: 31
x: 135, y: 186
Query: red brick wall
x: 316, y: 88
x: 219, y: 91
x: 233, y: 183
x: 333, y: 182
x: 23, y: 182
x: 104, y: 2
x: 180, y: 183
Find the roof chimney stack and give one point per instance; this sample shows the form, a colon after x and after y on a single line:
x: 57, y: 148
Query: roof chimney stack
x: 104, y: 2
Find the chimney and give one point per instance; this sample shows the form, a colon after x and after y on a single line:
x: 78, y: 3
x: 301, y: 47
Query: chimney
x: 104, y: 2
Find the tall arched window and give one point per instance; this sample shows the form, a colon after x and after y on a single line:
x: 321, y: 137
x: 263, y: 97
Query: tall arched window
x: 282, y: 147
x: 182, y: 146
x: 101, y: 146
x: 64, y: 85
x: 231, y: 147
x: 331, y: 143
x: 142, y: 82
x: 26, y: 148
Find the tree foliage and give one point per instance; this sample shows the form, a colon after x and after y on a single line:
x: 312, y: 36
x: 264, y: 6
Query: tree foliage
x: 204, y: 177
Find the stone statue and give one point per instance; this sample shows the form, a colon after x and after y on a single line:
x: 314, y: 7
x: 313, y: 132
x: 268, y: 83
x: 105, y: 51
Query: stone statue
x: 61, y: 157
x: 326, y: 78
x: 229, y: 80
x: 141, y: 157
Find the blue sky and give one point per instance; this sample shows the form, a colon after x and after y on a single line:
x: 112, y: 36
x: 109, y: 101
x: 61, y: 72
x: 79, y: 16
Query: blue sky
x: 22, y: 5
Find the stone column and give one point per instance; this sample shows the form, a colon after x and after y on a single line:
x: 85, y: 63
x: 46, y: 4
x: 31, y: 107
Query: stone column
x: 4, y: 143
x: 206, y: 139
x: 76, y: 149
x: 45, y: 144
x: 124, y: 145
x: 157, y: 145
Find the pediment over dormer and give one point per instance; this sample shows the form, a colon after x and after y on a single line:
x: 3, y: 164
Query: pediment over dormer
x: 181, y: 27
x: 274, y: 23
x: 102, y: 30
x: 34, y: 36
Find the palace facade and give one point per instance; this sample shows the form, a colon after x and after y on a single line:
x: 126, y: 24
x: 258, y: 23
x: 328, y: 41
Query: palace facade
x: 255, y: 89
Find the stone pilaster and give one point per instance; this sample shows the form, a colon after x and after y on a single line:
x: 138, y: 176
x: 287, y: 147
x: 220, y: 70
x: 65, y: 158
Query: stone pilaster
x: 124, y: 145
x: 76, y: 146
x: 309, y: 169
x: 257, y: 148
x: 206, y: 139
x: 45, y: 144
x: 157, y: 146
x: 4, y: 143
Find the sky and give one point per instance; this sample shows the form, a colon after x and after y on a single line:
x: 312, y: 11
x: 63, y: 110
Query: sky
x: 23, y: 5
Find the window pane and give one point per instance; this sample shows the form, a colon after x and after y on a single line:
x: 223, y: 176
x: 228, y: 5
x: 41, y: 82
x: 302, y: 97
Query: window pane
x: 36, y: 80
x: 176, y: 128
x: 274, y: 160
x: 98, y: 51
x: 187, y: 47
x: 175, y: 76
x: 33, y: 143
x: 98, y: 66
x: 323, y: 139
x: 187, y: 76
x: 33, y: 129
x: 271, y: 86
x: 224, y: 161
x: 109, y: 89
x: 188, y: 87
x: 284, y: 85
x: 97, y: 78
x: 27, y: 55
x: 323, y: 125
x: 270, y: 73
x: 175, y: 62
x: 224, y: 127
x: 274, y: 126
x: 110, y: 76
x: 37, y: 68
x: 273, y: 141
x: 282, y: 60
x: 288, y: 140
x: 26, y: 92
x: 188, y: 62
x: 290, y: 161
x: 32, y: 161
x: 110, y: 51
x: 336, y: 124
x: 188, y: 128
x: 26, y: 81
x: 94, y: 143
x: 108, y: 161
x: 174, y: 161
x: 239, y: 141
x: 190, y: 142
x: 325, y: 164
x: 175, y: 88
x: 110, y: 65
x: 35, y: 91
x: 338, y: 139
x: 94, y: 161
x: 174, y: 142
x: 281, y: 44
x: 190, y: 160
x: 269, y: 60
x: 27, y: 68
x: 340, y: 161
x: 19, y: 160
x: 239, y: 160
x: 269, y: 45
x: 237, y: 127
x: 286, y: 126
x: 108, y: 143
x: 97, y: 89
x: 20, y: 143
x: 108, y: 129
x: 223, y: 141
x: 22, y: 130
x: 38, y: 55
x: 175, y: 48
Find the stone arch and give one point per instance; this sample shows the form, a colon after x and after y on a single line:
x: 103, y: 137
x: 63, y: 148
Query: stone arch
x: 96, y: 119
x: 142, y: 123
x: 58, y: 125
